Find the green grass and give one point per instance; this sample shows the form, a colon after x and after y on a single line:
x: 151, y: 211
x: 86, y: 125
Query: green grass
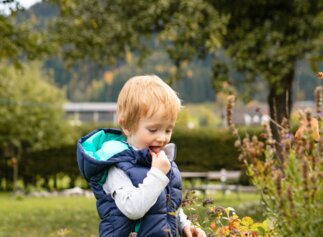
x: 66, y: 216
x: 51, y: 216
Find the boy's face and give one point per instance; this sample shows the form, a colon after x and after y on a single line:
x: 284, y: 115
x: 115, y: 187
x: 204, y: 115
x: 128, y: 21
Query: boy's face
x: 153, y: 133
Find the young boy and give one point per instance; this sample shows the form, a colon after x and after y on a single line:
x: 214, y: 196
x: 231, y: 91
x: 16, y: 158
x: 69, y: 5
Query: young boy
x: 134, y: 178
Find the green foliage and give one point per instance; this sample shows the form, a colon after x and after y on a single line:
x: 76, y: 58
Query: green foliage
x: 258, y: 36
x: 203, y: 150
x: 291, y: 194
x: 264, y: 39
x: 86, y: 83
x: 50, y: 164
x: 198, y: 116
x: 218, y: 221
x: 197, y: 150
x: 103, y: 31
x: 289, y: 176
x: 18, y: 41
x: 189, y: 29
x: 206, y: 149
x: 32, y: 110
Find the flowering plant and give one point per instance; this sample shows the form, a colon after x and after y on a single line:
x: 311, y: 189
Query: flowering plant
x: 288, y: 172
x: 223, y: 222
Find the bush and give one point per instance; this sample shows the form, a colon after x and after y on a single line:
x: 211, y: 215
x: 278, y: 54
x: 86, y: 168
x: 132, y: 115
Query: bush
x: 218, y: 221
x: 288, y: 173
x: 198, y: 150
x: 205, y: 149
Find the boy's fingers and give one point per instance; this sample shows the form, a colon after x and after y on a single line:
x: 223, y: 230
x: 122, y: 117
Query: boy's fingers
x: 162, y: 153
x: 201, y: 233
x: 153, y: 155
x: 187, y: 231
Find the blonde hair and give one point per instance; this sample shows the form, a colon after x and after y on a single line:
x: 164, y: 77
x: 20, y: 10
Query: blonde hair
x: 142, y: 96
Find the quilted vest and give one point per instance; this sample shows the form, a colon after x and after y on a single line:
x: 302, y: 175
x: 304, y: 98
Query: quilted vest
x: 160, y: 221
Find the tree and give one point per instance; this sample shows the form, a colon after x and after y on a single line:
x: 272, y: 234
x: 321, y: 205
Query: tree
x: 31, y: 108
x: 18, y: 41
x: 264, y: 39
x: 106, y: 30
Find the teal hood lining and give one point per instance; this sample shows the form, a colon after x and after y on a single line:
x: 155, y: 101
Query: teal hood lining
x: 102, y: 145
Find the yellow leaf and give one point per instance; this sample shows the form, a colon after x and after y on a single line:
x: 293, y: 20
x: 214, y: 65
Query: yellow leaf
x: 247, y: 221
x: 128, y: 57
x: 94, y: 24
x: 189, y: 73
x: 108, y: 77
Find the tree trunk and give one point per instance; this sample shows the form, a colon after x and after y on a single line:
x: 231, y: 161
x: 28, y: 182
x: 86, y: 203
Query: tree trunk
x: 72, y: 181
x: 55, y: 181
x: 15, y: 166
x: 280, y: 103
x: 46, y: 183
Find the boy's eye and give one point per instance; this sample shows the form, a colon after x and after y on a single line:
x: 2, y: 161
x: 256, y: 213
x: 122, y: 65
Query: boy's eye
x: 168, y: 131
x: 152, y: 130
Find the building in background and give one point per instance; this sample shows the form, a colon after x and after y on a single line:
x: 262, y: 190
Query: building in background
x: 251, y: 115
x: 88, y: 112
x: 259, y: 114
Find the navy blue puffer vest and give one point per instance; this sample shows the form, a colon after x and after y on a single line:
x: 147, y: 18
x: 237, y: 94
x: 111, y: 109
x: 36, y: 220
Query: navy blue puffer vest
x: 161, y: 219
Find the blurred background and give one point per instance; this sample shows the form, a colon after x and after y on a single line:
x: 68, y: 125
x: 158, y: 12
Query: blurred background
x: 63, y: 63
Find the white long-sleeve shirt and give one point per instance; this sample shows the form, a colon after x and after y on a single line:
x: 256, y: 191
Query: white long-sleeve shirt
x: 134, y: 202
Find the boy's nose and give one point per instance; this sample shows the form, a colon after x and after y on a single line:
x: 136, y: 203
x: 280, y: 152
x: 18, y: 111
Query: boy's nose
x: 162, y: 138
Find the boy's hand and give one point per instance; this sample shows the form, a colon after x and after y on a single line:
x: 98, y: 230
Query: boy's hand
x: 193, y: 231
x: 160, y: 161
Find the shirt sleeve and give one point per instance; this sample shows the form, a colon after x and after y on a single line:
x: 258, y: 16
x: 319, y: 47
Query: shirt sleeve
x: 183, y: 221
x: 134, y: 202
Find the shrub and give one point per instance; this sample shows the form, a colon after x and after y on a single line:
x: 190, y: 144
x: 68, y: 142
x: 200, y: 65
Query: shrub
x: 218, y: 221
x: 288, y: 173
x: 206, y: 149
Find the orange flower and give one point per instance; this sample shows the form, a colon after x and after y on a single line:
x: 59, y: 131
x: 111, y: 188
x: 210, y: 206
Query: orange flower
x: 314, y: 127
x: 213, y: 225
x: 320, y: 75
x: 224, y: 230
x: 234, y: 224
x: 254, y: 234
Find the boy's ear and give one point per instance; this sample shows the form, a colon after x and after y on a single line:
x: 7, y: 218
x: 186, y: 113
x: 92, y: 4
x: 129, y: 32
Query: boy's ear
x: 126, y: 131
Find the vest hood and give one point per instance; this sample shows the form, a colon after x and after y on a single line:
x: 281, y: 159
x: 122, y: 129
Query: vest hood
x: 105, y: 147
x: 98, y: 150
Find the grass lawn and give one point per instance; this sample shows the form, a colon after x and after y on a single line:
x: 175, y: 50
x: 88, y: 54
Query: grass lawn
x: 67, y: 216
x: 50, y: 216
